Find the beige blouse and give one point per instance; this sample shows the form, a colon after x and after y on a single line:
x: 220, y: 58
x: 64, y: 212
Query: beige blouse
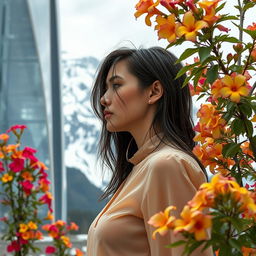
x: 160, y: 177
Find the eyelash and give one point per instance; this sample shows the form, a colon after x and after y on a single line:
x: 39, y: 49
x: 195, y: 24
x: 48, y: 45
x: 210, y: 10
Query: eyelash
x: 115, y: 86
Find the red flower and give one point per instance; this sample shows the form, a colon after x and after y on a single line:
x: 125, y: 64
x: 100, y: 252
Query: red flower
x: 50, y: 250
x: 28, y: 152
x: 47, y: 199
x: 15, y: 127
x: 27, y: 186
x: 1, y: 167
x: 14, y: 246
x: 17, y: 165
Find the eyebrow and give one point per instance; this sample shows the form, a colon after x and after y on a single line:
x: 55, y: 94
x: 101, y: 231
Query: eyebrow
x: 114, y: 77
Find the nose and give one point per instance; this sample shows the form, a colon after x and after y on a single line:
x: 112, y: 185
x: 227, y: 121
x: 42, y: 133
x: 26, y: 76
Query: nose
x: 104, y: 101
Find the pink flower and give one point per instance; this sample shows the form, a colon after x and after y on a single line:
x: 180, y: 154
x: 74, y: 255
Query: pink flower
x: 17, y: 165
x: 15, y: 127
x: 27, y: 186
x: 13, y: 246
x: 50, y: 250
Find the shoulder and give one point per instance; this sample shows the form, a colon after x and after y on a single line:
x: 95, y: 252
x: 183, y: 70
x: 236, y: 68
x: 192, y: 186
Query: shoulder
x: 169, y: 161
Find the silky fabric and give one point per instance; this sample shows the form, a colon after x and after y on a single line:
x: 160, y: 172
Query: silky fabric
x: 161, y: 176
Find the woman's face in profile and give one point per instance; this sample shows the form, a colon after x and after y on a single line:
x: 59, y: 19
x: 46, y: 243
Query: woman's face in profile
x: 124, y: 99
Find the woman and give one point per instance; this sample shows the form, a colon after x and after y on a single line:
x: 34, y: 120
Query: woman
x: 147, y: 141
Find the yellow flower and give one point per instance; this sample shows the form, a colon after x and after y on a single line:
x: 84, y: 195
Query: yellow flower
x: 193, y: 222
x: 6, y: 178
x: 253, y: 119
x: 23, y: 228
x: 234, y: 87
x: 190, y: 27
x: 66, y: 241
x: 163, y: 221
x: 166, y: 28
x: 32, y: 225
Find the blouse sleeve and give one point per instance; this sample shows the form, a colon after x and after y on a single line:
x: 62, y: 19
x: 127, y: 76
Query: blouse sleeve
x: 171, y: 180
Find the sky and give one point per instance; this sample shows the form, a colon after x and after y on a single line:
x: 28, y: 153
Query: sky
x: 95, y: 28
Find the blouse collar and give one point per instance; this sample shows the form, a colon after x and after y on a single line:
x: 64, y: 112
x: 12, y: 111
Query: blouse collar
x: 147, y: 148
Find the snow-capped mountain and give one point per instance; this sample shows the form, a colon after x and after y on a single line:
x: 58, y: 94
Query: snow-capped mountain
x: 81, y: 127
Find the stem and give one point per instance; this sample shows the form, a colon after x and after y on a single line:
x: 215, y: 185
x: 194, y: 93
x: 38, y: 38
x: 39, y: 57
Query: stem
x: 242, y: 13
x: 253, y: 88
x: 248, y: 59
x: 223, y: 68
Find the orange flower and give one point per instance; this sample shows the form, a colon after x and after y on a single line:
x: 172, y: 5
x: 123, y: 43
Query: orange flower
x: 73, y: 226
x: 6, y: 178
x: 201, y: 200
x: 211, y: 123
x: 27, y: 235
x: 149, y: 7
x: 166, y: 28
x: 248, y: 251
x: 253, y: 119
x: 49, y: 216
x: 190, y: 27
x: 162, y: 221
x: 252, y: 27
x: 79, y: 252
x: 234, y: 87
x: 215, y: 89
x: 193, y: 222
x: 210, y: 9
x: 60, y: 223
x: 27, y: 176
x: 4, y: 137
x: 246, y: 148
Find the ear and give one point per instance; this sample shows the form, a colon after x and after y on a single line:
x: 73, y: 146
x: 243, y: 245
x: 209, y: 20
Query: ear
x: 155, y: 92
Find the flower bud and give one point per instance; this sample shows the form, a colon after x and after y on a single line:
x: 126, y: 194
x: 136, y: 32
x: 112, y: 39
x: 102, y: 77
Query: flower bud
x: 238, y: 47
x: 229, y: 57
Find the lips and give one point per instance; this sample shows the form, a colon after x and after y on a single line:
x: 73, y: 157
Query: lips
x: 107, y: 113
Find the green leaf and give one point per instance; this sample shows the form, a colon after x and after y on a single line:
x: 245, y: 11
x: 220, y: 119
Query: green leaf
x: 248, y: 6
x: 236, y: 68
x: 235, y: 244
x: 185, y: 69
x: 212, y: 74
x: 204, y: 53
x: 230, y: 150
x: 225, y: 250
x: 246, y: 109
x: 176, y: 244
x: 220, y: 7
x: 252, y: 33
x: 187, y: 53
x: 237, y: 126
x: 249, y: 128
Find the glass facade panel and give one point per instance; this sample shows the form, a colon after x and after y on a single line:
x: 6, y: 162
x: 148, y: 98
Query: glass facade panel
x: 25, y: 78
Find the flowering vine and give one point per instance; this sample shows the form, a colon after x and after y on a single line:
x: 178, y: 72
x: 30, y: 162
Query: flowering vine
x: 226, y: 139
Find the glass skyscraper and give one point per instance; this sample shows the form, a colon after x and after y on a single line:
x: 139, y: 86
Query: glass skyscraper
x: 30, y: 91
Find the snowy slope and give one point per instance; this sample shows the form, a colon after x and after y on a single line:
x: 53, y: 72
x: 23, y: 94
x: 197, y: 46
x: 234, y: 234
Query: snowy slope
x: 81, y: 127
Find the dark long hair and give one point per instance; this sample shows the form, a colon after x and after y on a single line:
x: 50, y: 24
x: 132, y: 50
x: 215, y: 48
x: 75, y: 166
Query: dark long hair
x: 173, y: 114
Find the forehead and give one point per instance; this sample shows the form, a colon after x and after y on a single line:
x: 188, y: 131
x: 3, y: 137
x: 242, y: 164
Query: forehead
x: 118, y: 69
